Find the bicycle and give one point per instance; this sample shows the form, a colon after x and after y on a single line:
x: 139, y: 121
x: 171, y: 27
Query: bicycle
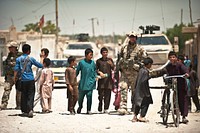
x: 170, y: 99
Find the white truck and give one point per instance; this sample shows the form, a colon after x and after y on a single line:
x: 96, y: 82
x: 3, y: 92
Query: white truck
x: 157, y: 45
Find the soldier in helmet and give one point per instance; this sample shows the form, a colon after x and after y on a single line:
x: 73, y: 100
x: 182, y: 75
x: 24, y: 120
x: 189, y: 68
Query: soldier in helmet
x: 131, y: 56
x: 9, y: 64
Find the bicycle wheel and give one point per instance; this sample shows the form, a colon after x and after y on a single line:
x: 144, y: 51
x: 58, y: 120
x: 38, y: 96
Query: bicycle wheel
x: 165, y: 107
x: 175, y: 106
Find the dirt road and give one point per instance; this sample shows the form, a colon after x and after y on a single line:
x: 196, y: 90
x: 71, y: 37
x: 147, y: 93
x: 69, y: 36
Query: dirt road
x: 59, y: 121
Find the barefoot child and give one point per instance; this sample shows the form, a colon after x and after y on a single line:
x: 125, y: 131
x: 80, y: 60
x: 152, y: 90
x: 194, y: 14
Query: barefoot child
x: 46, y: 86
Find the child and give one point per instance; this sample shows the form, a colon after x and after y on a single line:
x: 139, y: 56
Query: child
x: 176, y: 67
x: 105, y: 85
x: 44, y: 54
x: 193, y: 89
x: 142, y: 92
x: 46, y: 86
x: 72, y: 84
x: 187, y: 61
x: 87, y: 81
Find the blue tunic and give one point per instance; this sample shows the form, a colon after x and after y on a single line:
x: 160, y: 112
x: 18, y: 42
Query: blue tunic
x: 88, y: 75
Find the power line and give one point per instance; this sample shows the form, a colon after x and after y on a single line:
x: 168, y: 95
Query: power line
x: 36, y: 10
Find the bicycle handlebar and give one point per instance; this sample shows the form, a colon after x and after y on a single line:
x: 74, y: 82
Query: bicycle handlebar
x: 175, y: 76
x: 167, y: 77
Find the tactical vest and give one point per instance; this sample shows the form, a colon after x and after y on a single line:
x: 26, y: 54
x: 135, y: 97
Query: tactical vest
x: 131, y: 54
x: 10, y: 63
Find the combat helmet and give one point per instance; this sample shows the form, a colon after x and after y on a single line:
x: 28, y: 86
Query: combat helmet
x: 132, y: 33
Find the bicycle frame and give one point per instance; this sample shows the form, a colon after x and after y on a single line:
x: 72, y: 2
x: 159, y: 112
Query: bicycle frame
x: 170, y: 100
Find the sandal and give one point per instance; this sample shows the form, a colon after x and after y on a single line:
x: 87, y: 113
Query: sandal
x: 45, y: 111
x: 143, y: 120
x: 134, y: 119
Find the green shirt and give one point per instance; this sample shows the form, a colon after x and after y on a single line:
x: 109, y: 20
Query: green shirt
x: 88, y: 75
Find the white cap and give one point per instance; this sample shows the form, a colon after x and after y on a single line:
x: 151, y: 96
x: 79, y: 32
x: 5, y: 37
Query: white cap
x: 132, y: 33
x: 12, y: 44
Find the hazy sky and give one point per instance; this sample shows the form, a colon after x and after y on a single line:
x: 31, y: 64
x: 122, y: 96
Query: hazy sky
x: 113, y: 16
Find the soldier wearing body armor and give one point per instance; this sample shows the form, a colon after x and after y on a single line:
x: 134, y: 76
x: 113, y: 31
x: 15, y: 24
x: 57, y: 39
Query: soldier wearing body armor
x: 131, y: 57
x: 9, y: 64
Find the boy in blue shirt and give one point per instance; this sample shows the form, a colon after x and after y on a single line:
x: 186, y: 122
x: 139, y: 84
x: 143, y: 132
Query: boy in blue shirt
x: 24, y: 66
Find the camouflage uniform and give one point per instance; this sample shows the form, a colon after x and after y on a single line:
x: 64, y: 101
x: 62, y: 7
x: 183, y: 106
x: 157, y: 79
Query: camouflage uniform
x: 129, y: 64
x: 9, y: 82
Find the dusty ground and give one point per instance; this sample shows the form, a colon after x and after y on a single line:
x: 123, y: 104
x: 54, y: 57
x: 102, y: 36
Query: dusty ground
x: 59, y: 121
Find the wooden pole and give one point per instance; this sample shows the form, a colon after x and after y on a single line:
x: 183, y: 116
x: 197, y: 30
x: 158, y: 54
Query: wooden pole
x: 41, y: 38
x: 56, y: 41
x: 93, y: 32
x: 181, y: 16
x: 190, y: 12
x: 198, y: 51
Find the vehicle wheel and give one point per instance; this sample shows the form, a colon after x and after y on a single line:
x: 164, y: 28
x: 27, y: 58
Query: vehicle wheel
x: 175, y: 109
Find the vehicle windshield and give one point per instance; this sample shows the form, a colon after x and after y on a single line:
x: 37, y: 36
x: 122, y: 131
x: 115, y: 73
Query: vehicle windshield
x: 79, y: 46
x: 58, y: 63
x: 153, y: 40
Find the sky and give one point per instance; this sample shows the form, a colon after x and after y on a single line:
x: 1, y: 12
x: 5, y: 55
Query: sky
x: 110, y: 16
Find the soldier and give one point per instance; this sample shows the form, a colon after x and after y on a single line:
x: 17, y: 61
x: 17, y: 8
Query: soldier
x: 131, y: 56
x: 9, y: 73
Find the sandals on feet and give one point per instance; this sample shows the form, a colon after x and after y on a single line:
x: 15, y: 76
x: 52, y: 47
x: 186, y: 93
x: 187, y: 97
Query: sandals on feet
x: 134, y: 119
x: 143, y: 120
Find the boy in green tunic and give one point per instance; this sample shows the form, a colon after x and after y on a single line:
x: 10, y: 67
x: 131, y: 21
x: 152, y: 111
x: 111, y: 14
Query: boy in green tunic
x: 87, y: 82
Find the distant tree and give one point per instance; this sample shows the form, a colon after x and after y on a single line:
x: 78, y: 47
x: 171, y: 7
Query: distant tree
x: 176, y: 31
x: 31, y: 26
x: 49, y: 28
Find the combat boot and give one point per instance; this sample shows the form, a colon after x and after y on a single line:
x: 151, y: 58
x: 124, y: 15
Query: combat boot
x: 3, y: 107
x: 122, y: 111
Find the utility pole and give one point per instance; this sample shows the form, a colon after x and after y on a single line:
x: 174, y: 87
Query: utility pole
x: 190, y: 12
x: 198, y: 51
x: 181, y: 16
x: 56, y: 41
x: 92, y: 19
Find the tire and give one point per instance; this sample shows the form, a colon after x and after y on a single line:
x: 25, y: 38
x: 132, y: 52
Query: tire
x: 175, y: 107
x: 165, y: 108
